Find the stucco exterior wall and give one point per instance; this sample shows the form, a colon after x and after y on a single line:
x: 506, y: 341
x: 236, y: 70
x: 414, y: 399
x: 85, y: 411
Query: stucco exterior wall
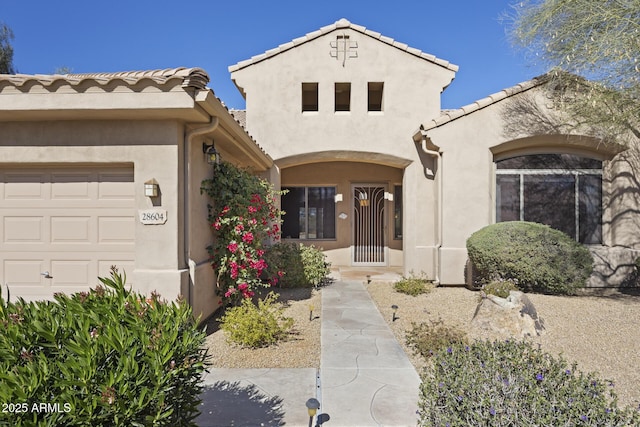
x: 153, y: 149
x: 469, y: 147
x: 296, y: 139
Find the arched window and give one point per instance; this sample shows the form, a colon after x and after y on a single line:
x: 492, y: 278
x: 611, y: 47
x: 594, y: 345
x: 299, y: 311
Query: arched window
x: 563, y: 191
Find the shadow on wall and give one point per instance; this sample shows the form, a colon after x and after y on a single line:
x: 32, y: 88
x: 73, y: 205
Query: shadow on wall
x: 230, y: 404
x: 615, y: 265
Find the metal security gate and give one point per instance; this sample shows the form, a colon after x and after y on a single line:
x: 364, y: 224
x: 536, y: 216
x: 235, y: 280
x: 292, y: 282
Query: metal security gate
x: 368, y: 225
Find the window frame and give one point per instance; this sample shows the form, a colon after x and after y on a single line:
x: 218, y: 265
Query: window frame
x: 306, y: 88
x: 306, y: 208
x: 576, y: 173
x: 372, y: 88
x: 339, y: 87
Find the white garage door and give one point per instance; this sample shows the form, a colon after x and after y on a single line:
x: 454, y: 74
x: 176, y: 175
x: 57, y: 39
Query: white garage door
x: 73, y: 222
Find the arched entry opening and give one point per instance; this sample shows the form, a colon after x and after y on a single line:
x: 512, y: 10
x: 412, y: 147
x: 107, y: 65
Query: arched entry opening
x: 352, y: 209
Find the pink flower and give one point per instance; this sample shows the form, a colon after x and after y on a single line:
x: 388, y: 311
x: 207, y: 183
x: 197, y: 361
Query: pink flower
x: 247, y: 237
x: 216, y: 225
x: 239, y: 228
x: 252, y: 209
x: 233, y: 247
x: 260, y: 252
x: 243, y: 286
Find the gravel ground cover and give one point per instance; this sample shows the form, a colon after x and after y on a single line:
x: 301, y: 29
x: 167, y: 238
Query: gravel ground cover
x: 300, y: 350
x: 600, y: 333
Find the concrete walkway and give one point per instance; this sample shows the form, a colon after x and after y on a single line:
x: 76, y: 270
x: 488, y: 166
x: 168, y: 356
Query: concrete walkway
x: 365, y: 378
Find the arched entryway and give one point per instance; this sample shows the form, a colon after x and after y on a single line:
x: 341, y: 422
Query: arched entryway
x: 350, y: 207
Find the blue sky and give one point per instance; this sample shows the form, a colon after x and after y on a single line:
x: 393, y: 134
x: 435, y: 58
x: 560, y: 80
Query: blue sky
x: 121, y: 35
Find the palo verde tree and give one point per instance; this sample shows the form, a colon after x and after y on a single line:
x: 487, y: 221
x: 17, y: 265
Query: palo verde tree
x: 6, y: 50
x: 592, y: 49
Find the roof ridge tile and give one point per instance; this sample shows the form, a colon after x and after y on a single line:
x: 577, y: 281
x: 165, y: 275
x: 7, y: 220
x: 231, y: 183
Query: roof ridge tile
x: 340, y: 24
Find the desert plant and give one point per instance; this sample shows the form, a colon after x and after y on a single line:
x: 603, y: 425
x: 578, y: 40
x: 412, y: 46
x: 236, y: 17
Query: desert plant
x: 535, y: 256
x: 427, y: 338
x: 514, y: 384
x: 256, y: 325
x: 413, y: 285
x: 298, y: 265
x: 500, y: 287
x: 106, y: 357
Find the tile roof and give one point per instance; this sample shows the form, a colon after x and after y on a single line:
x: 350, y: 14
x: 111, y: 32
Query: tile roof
x: 191, y: 77
x: 240, y: 116
x: 342, y: 23
x: 447, y: 116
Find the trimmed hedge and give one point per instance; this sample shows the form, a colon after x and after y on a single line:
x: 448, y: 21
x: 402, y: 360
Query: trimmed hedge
x: 107, y: 357
x: 536, y: 257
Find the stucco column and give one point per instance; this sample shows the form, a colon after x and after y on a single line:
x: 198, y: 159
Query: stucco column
x: 420, y: 236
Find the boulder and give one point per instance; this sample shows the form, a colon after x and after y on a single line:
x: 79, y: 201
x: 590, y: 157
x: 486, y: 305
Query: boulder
x: 513, y: 317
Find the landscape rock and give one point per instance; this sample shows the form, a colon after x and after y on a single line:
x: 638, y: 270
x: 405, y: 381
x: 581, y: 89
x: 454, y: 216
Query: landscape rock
x: 513, y: 317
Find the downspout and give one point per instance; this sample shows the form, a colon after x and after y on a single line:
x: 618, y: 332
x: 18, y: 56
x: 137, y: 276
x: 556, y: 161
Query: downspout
x: 188, y: 139
x: 438, y: 211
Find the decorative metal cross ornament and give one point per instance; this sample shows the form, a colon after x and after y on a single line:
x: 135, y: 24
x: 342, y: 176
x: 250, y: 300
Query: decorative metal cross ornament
x: 344, y: 48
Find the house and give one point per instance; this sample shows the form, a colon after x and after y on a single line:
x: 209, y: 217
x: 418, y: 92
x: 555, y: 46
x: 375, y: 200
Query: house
x: 378, y: 175
x: 105, y: 169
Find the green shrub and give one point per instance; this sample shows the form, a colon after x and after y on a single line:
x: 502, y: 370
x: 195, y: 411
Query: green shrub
x: 500, y: 287
x: 302, y: 265
x: 535, y: 256
x: 254, y: 326
x: 514, y: 384
x: 413, y: 286
x: 428, y: 338
x: 107, y: 357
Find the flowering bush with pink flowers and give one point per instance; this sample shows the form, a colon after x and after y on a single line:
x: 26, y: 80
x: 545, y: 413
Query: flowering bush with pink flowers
x: 244, y: 216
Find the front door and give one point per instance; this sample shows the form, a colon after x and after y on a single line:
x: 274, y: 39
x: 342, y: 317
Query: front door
x: 368, y: 224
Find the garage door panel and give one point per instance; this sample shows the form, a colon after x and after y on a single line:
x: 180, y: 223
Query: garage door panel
x: 113, y: 229
x: 66, y: 229
x: 123, y: 265
x: 22, y: 186
x: 72, y: 272
x: 115, y: 185
x: 77, y: 186
x: 18, y: 229
x: 23, y: 272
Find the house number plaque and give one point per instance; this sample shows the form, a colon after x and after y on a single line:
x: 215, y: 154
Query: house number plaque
x: 153, y: 216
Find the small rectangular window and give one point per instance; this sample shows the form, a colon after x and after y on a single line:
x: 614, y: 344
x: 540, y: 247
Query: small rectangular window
x: 374, y: 91
x: 343, y: 97
x: 309, y: 96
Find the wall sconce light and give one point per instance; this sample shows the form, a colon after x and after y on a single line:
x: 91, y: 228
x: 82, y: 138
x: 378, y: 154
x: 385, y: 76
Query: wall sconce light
x: 337, y: 198
x: 395, y: 310
x: 213, y: 157
x: 151, y: 188
x: 388, y: 196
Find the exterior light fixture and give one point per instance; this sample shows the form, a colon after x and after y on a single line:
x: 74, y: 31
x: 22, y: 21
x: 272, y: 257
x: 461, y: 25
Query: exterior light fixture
x: 395, y: 310
x: 312, y: 408
x: 368, y: 279
x: 151, y: 188
x: 213, y: 157
x: 311, y: 312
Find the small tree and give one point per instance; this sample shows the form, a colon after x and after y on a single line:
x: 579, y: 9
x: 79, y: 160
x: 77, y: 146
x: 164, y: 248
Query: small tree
x: 591, y: 48
x: 6, y: 50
